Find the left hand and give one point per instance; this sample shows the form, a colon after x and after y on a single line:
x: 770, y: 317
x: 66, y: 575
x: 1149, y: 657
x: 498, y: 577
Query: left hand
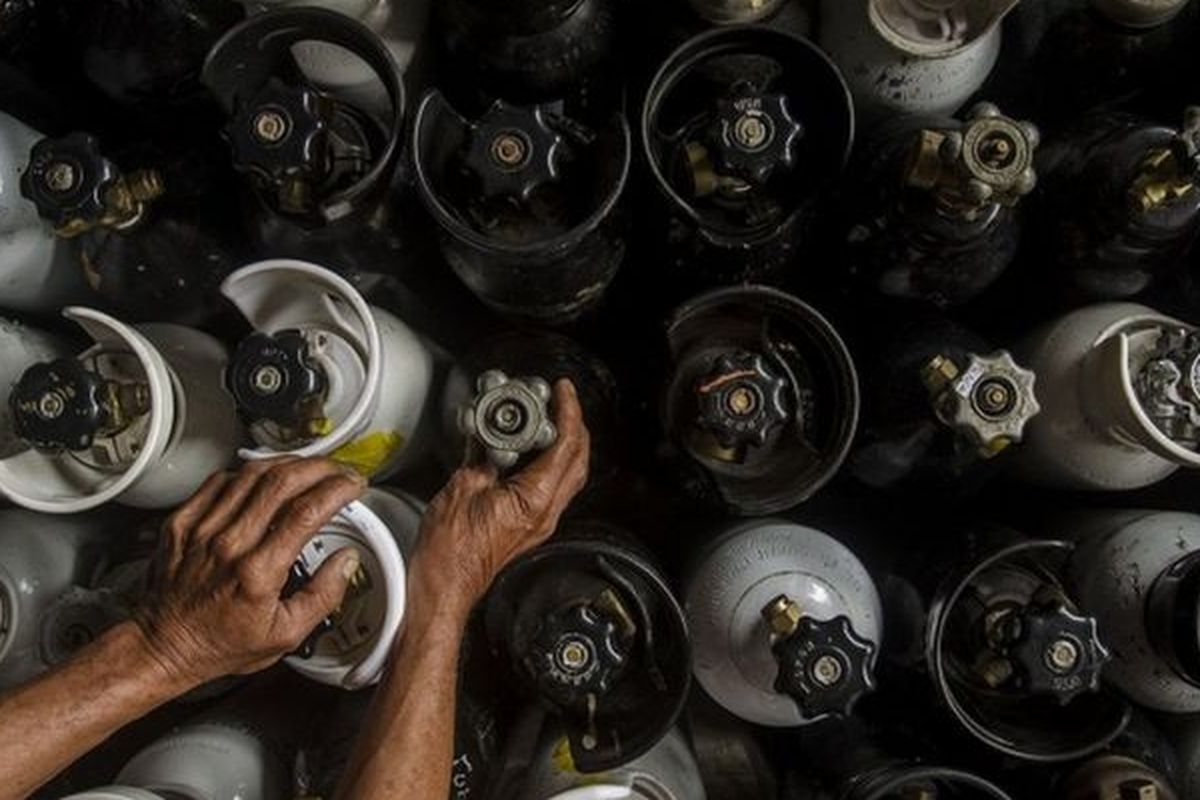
x: 480, y: 522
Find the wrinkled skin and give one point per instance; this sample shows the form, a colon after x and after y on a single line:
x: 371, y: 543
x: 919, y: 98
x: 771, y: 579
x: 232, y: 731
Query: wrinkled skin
x: 214, y: 605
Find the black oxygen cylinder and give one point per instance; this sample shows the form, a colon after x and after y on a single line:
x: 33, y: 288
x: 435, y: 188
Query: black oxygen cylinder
x: 318, y: 171
x: 745, y: 129
x: 592, y: 631
x: 940, y: 407
x: 527, y: 199
x: 530, y: 50
x: 1117, y: 207
x: 146, y: 54
x: 933, y: 213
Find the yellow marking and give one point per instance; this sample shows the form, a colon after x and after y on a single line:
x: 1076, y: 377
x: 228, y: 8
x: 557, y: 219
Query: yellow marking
x: 370, y: 452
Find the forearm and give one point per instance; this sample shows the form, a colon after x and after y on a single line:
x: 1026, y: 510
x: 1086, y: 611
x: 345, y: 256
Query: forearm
x: 407, y: 744
x: 49, y: 723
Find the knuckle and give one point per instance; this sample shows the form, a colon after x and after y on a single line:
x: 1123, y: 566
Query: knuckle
x: 253, y: 574
x: 276, y: 480
x: 175, y: 527
x: 225, y: 548
x: 306, y: 512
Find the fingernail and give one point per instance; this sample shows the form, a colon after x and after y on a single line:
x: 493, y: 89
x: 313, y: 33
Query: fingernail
x: 350, y: 565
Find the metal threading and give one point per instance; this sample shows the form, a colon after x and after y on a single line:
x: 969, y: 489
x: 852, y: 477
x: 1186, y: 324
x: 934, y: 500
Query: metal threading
x: 573, y: 654
x: 742, y: 400
x: 510, y: 149
x: 826, y: 670
x: 994, y: 397
x: 507, y: 417
x: 997, y: 150
x: 1062, y: 656
x: 61, y: 176
x: 51, y: 405
x: 752, y: 132
x: 271, y: 126
x: 267, y: 380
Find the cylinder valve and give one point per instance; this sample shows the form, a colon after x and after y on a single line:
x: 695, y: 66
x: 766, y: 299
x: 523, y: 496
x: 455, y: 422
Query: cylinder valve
x: 509, y: 417
x: 988, y: 400
x: 824, y: 665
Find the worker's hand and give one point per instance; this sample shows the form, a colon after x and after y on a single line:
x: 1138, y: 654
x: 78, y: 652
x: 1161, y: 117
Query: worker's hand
x: 213, y: 606
x: 480, y: 522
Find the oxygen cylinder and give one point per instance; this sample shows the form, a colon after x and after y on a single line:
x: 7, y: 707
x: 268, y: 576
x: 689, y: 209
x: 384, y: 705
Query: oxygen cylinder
x: 847, y: 760
x: 20, y: 348
x: 83, y: 613
x: 204, y: 761
x: 1139, y: 573
x: 1117, y: 399
x: 143, y: 54
x: 940, y: 407
x: 1106, y: 55
x: 1116, y: 776
x: 1016, y: 655
x: 351, y: 648
x: 1117, y: 209
x: 400, y: 24
x: 785, y: 622
x: 592, y: 630
x: 667, y: 771
x: 530, y: 49
x: 318, y: 168
x: 1141, y: 762
x: 41, y: 559
x: 138, y: 417
x: 527, y: 198
x: 761, y: 403
x: 39, y: 271
x: 127, y: 221
x: 913, y: 56
x: 744, y: 129
x: 324, y: 373
x: 937, y: 219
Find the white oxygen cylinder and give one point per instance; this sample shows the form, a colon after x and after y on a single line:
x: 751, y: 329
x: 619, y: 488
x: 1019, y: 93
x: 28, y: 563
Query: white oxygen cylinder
x: 171, y: 427
x: 204, y: 761
x: 41, y: 559
x: 355, y: 644
x: 20, y: 348
x: 1132, y: 570
x: 326, y: 374
x: 924, y: 57
x: 40, y: 271
x: 727, y: 598
x: 668, y: 771
x: 1118, y: 393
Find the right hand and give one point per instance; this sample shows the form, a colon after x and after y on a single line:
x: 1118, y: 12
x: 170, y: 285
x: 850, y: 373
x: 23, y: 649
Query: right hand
x: 214, y: 605
x: 479, y: 522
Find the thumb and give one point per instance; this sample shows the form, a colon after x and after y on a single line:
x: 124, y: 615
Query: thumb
x: 324, y: 593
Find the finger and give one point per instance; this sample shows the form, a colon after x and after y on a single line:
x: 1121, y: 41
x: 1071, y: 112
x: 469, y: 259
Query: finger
x: 175, y: 534
x: 276, y: 489
x: 230, y: 503
x: 566, y: 460
x: 297, y: 523
x: 199, y: 505
x: 321, y: 596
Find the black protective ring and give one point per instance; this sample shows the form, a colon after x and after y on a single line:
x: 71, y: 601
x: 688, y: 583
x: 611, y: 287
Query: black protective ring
x: 251, y: 52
